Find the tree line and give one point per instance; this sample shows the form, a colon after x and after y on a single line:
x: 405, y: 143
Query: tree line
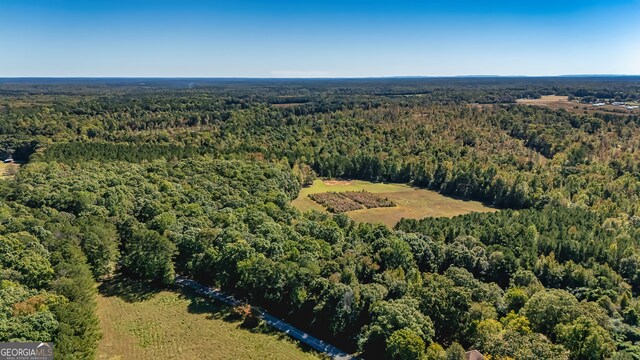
x: 149, y: 183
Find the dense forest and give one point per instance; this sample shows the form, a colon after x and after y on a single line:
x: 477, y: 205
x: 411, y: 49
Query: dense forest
x: 196, y: 177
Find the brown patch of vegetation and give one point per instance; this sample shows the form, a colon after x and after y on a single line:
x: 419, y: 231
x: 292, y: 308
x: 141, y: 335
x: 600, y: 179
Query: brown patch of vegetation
x: 250, y: 318
x: 29, y: 306
x: 242, y: 311
x: 335, y: 202
x: 368, y: 199
x: 350, y: 200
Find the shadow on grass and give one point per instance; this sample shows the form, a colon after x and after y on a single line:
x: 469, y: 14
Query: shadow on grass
x: 127, y: 289
x: 466, y: 199
x: 200, y: 305
x: 214, y: 309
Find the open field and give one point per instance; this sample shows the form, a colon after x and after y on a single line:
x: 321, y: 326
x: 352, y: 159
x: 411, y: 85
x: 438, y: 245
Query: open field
x: 335, y: 202
x: 7, y: 169
x: 368, y: 200
x: 410, y: 202
x: 139, y: 322
x: 562, y: 102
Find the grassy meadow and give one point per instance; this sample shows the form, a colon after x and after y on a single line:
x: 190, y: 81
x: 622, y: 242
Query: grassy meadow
x: 410, y: 202
x: 7, y: 170
x: 139, y: 322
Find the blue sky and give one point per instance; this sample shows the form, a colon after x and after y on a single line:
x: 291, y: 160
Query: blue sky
x: 332, y: 38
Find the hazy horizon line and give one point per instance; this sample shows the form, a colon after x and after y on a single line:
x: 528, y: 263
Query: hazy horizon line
x: 314, y: 77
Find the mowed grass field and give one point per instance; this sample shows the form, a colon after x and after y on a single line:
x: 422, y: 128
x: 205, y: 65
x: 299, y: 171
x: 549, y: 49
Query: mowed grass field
x: 411, y: 202
x: 5, y: 172
x: 139, y: 323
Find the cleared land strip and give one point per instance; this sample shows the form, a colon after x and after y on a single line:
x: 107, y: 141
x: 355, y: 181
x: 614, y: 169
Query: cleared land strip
x: 271, y: 320
x: 411, y: 202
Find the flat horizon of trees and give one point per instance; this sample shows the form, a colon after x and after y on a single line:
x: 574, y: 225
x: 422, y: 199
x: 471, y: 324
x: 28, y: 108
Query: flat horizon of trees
x: 149, y: 183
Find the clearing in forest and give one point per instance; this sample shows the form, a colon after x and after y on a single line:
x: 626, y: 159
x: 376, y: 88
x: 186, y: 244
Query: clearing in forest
x: 139, y: 322
x: 337, y: 202
x: 410, y: 202
x: 562, y: 102
x: 7, y: 171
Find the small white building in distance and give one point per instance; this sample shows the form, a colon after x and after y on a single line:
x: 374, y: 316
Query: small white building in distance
x: 8, y: 160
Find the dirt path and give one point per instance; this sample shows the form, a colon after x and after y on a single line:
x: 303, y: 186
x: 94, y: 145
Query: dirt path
x: 271, y: 320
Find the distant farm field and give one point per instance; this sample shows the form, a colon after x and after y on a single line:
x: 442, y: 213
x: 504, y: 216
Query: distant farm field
x: 563, y: 102
x: 139, y: 323
x: 412, y: 203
